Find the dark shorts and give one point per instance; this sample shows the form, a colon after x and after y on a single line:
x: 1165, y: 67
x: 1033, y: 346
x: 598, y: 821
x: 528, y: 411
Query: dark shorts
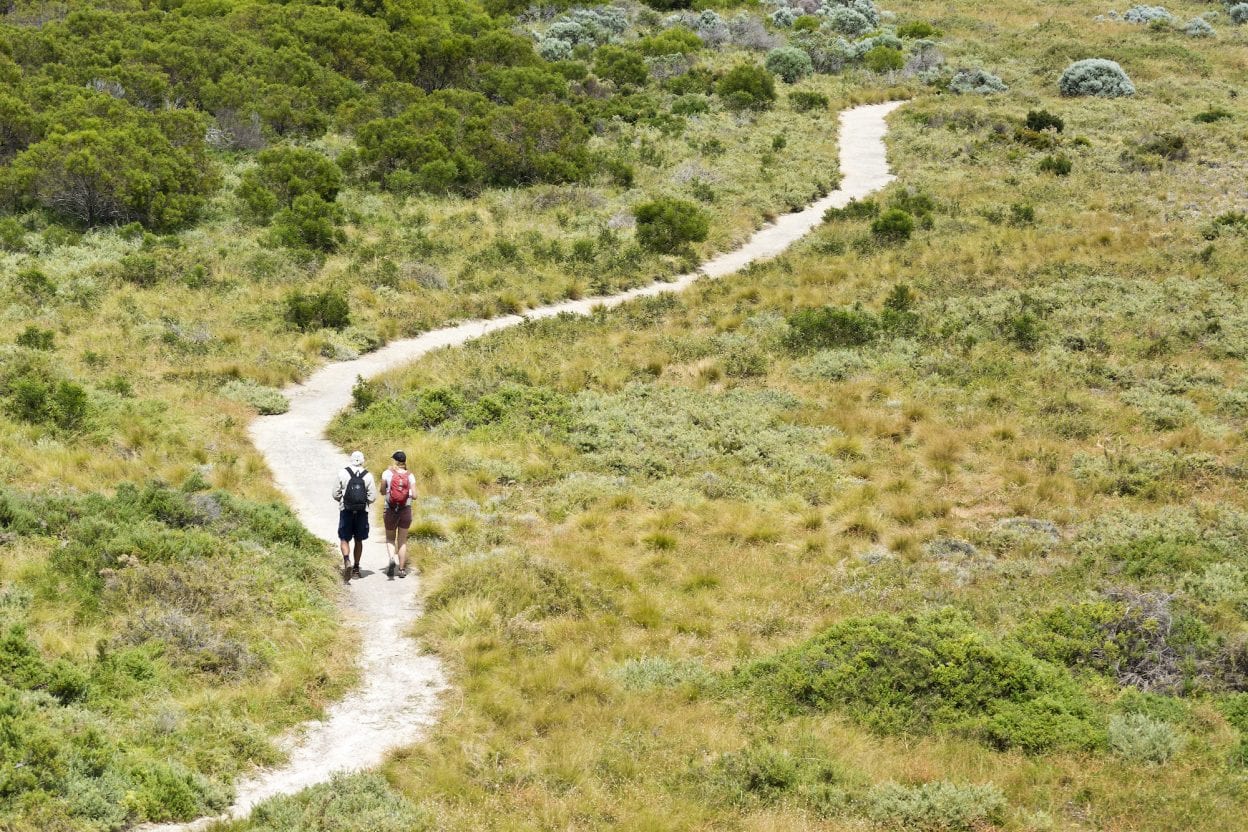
x: 397, y: 518
x: 353, y: 525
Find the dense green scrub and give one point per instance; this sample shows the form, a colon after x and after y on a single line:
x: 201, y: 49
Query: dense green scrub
x: 140, y: 647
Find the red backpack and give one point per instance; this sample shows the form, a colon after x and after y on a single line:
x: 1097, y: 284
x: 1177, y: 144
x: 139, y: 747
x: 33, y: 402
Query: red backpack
x: 400, y: 488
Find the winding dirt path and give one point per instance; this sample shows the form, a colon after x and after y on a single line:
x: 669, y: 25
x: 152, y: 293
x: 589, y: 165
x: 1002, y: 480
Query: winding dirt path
x: 399, y: 697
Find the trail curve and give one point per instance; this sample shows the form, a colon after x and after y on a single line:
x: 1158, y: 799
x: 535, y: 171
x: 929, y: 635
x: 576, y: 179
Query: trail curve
x: 398, y: 698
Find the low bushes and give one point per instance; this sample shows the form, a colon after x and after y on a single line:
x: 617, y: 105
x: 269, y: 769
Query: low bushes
x: 935, y: 807
x: 803, y: 101
x: 929, y: 673
x: 266, y: 400
x: 347, y: 803
x: 1095, y: 76
x: 747, y: 87
x: 789, y: 63
x: 1141, y: 739
x: 327, y: 309
x: 977, y: 81
x: 668, y: 225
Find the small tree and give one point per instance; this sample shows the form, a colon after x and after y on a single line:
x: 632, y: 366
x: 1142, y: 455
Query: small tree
x: 282, y: 175
x: 622, y: 67
x: 747, y: 86
x: 893, y: 226
x: 668, y: 225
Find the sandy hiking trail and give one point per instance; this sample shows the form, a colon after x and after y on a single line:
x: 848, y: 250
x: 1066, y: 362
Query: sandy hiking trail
x: 400, y: 689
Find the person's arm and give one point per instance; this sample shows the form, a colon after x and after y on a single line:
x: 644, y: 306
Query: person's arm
x: 338, y: 488
x: 411, y: 491
x: 385, y: 484
x: 372, y: 487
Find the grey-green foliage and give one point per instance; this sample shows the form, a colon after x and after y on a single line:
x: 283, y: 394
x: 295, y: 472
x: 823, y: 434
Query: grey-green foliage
x: 1239, y: 14
x: 865, y: 8
x: 267, y: 400
x: 783, y: 17
x: 1095, y: 76
x: 977, y: 81
x: 1143, y: 739
x: 661, y: 431
x: 1198, y: 27
x: 935, y: 807
x: 554, y: 49
x: 831, y: 365
x: 347, y: 803
x: 847, y: 21
x: 789, y: 63
x: 660, y: 672
x: 1147, y: 14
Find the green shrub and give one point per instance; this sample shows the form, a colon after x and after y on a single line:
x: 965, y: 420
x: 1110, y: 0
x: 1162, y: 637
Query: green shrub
x: 310, y: 222
x: 766, y: 773
x: 828, y: 327
x: 658, y: 672
x: 1095, y: 76
x: 1057, y: 164
x: 893, y: 226
x: 917, y: 29
x: 320, y: 310
x: 789, y: 63
x: 1040, y: 120
x: 347, y: 803
x: 34, y: 338
x: 936, y: 807
x: 1142, y: 739
x: 690, y: 105
x: 1239, y: 13
x: 266, y: 400
x: 935, y: 672
x: 747, y: 86
x: 854, y: 209
x: 674, y: 41
x: 282, y: 174
x: 622, y: 67
x: 806, y: 23
x: 12, y: 235
x: 804, y: 101
x: 831, y: 365
x: 668, y: 225
x: 881, y: 59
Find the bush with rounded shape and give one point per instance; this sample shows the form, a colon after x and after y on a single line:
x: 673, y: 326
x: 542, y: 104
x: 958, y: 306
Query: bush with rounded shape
x: 1142, y: 739
x: 807, y: 23
x: 284, y: 173
x: 1095, y: 76
x: 620, y: 66
x: 310, y: 222
x: 917, y: 29
x: 936, y: 806
x: 881, y: 59
x: 1198, y: 27
x: 976, y: 81
x: 1147, y: 14
x: 554, y: 49
x: 747, y: 86
x: 267, y: 401
x: 667, y: 225
x: 1040, y: 120
x: 893, y: 226
x: 848, y: 22
x: 1239, y: 14
x: 1058, y: 165
x: 783, y: 17
x: 789, y: 63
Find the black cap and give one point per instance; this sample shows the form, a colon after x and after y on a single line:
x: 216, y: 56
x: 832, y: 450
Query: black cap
x: 399, y: 456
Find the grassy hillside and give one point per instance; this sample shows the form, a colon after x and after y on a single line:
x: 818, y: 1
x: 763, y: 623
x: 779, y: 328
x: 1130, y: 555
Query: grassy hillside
x: 935, y: 523
x: 942, y: 532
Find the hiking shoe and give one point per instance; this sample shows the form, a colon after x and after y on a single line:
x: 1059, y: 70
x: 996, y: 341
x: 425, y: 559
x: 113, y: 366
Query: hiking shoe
x: 403, y: 573
x: 355, y: 572
x: 390, y: 570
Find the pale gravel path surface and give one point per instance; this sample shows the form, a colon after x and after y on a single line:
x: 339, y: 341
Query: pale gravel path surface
x: 401, y: 686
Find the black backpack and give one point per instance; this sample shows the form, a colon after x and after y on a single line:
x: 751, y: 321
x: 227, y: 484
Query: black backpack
x: 355, y: 495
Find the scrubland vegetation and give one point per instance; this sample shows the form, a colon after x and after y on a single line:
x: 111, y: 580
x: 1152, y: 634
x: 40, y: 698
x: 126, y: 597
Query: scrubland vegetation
x: 937, y: 522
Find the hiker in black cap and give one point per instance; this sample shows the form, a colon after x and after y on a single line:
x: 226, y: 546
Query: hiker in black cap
x: 399, y: 486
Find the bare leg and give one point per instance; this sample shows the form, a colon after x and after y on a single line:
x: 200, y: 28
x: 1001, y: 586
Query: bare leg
x: 359, y: 551
x: 391, y: 549
x: 401, y: 545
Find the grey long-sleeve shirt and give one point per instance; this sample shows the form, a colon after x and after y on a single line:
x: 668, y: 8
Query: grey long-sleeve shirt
x: 343, y: 478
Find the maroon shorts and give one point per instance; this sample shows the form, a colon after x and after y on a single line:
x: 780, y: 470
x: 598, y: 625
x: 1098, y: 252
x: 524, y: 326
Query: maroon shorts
x: 397, y: 518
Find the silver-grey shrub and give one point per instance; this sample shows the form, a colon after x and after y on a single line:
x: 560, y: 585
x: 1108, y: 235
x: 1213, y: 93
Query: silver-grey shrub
x: 1095, y: 76
x: 847, y: 21
x: 977, y: 81
x: 1142, y: 739
x: 935, y: 807
x: 1198, y: 27
x: 266, y: 400
x: 866, y: 8
x: 1239, y: 14
x: 748, y: 32
x: 783, y: 17
x: 790, y: 63
x: 1147, y: 14
x: 554, y: 49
